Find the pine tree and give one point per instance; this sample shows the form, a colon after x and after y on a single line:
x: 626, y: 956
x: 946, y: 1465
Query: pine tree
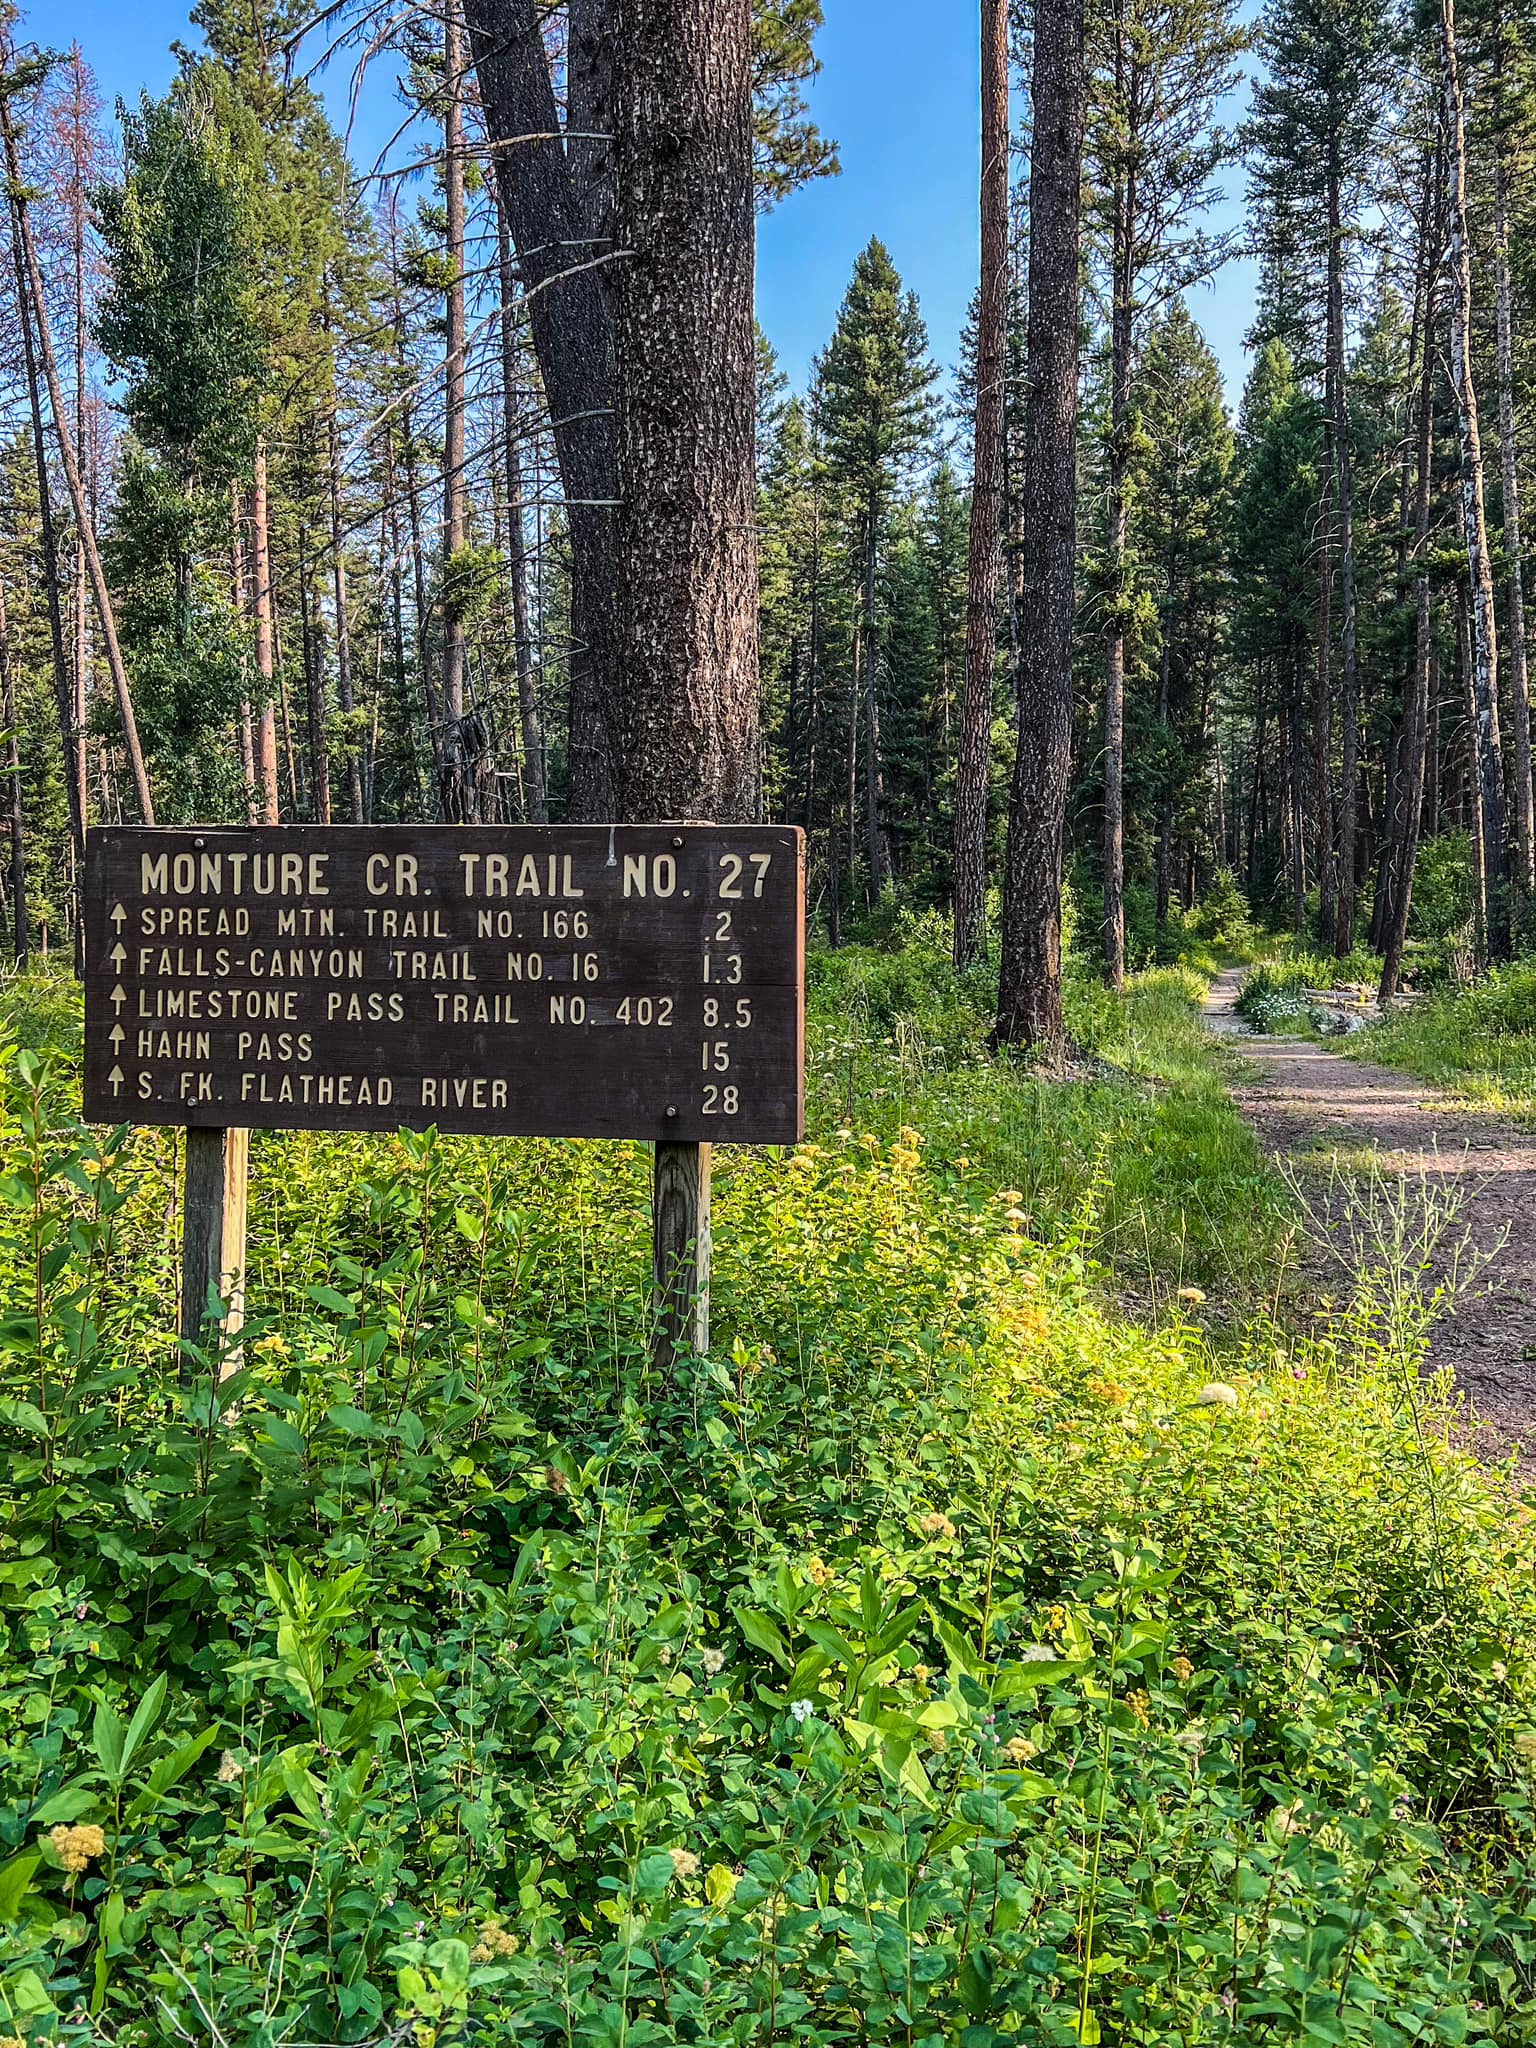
x: 877, y: 378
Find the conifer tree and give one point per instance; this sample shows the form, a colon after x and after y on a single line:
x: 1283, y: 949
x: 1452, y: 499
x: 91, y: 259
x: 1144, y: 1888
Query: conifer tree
x: 876, y: 378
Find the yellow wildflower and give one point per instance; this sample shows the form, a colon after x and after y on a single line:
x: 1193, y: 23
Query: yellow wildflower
x: 908, y: 1136
x: 818, y: 1573
x: 77, y: 1847
x: 935, y: 1524
x: 1217, y: 1394
x: 684, y: 1863
x: 1019, y: 1749
x: 1140, y: 1706
x: 1010, y: 1197
x: 493, y: 1944
x: 937, y: 1739
x: 1056, y: 1621
x: 1192, y: 1295
x: 1525, y: 1744
x: 1182, y: 1670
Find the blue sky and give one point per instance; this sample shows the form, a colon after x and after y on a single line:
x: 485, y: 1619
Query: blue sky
x: 898, y: 92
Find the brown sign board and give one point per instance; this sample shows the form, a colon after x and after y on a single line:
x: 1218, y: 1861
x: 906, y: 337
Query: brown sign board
x: 585, y: 981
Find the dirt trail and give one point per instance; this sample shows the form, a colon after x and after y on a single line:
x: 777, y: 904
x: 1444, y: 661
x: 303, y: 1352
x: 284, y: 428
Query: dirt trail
x: 1305, y: 1098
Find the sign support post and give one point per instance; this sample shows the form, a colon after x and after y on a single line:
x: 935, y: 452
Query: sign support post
x: 680, y: 1250
x: 213, y: 1231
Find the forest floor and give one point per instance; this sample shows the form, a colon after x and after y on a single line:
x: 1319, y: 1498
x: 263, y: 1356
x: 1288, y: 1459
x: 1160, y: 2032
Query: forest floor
x: 1332, y: 1121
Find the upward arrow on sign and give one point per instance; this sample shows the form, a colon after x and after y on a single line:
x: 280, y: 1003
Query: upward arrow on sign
x: 118, y: 955
x: 117, y: 914
x: 115, y: 1037
x: 119, y: 996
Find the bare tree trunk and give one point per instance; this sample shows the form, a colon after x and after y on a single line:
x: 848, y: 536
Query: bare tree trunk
x: 1485, y: 658
x: 1408, y: 783
x: 270, y: 811
x: 972, y: 775
x: 84, y: 525
x: 1122, y: 288
x: 312, y: 637
x: 1509, y: 477
x: 686, y: 402
x: 558, y: 200
x: 876, y: 843
x: 457, y: 801
x: 1322, y: 723
x: 535, y: 786
x: 1343, y: 487
x: 21, y: 938
x: 1029, y: 995
x: 62, y: 688
x: 345, y: 693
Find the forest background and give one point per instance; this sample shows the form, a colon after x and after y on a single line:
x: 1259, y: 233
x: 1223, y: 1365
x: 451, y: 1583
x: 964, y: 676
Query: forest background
x: 1287, y: 623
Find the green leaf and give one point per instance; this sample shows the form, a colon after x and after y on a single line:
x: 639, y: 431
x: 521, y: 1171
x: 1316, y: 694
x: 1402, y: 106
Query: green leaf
x: 22, y: 1414
x: 763, y: 1634
x: 169, y: 1772
x: 351, y: 1420
x: 15, y: 1877
x: 67, y: 1804
x: 107, y: 1739
x: 145, y: 1719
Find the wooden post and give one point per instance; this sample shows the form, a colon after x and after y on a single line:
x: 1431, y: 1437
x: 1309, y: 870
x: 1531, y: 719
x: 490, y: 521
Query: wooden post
x: 213, y: 1233
x: 680, y: 1230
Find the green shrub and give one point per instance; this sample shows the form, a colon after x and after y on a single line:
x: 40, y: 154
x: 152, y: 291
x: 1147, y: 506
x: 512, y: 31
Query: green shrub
x: 945, y: 1659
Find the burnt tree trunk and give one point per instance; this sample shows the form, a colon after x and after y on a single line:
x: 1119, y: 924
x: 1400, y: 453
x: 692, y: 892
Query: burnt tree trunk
x: 686, y: 403
x: 985, y: 566
x: 1029, y: 995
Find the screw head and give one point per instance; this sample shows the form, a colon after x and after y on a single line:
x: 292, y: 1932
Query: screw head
x: 677, y: 839
x: 671, y: 1109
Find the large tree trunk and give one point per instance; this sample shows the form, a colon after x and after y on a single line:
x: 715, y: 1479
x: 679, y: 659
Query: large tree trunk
x: 1509, y: 478
x: 1322, y: 717
x: 84, y: 525
x: 972, y: 774
x: 1029, y: 995
x: 1484, y: 675
x: 557, y: 206
x: 535, y: 786
x: 1343, y: 489
x: 686, y: 408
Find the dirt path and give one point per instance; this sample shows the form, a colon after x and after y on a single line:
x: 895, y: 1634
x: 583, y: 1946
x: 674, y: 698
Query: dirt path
x: 1306, y: 1099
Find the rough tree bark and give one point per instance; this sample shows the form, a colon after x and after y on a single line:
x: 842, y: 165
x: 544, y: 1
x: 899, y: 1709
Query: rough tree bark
x: 557, y: 199
x: 1029, y: 995
x: 686, y: 402
x: 985, y: 565
x: 1484, y: 672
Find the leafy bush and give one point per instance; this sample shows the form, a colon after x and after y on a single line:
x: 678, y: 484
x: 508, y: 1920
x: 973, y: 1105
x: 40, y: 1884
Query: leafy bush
x: 944, y: 1659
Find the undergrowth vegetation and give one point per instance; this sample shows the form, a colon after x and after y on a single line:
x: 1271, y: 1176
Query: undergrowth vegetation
x: 1480, y: 1041
x: 945, y: 1659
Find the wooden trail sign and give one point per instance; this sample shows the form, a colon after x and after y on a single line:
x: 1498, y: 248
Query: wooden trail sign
x: 587, y: 981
